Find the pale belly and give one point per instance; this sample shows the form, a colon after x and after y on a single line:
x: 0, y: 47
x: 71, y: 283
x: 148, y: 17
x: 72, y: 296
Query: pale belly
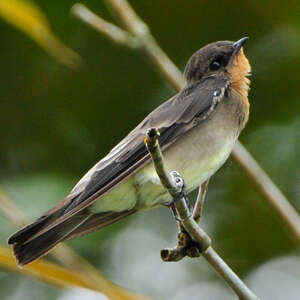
x: 196, y: 156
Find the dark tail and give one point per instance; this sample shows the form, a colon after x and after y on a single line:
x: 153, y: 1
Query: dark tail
x: 36, y: 240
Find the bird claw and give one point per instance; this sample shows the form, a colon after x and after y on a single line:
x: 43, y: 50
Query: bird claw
x: 180, y: 184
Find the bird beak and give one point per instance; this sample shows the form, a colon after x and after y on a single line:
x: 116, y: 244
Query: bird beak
x: 237, y: 46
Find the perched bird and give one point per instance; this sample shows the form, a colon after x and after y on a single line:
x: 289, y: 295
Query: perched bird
x: 198, y: 129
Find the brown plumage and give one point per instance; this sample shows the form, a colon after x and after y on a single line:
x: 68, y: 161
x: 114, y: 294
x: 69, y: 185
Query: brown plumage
x: 198, y: 128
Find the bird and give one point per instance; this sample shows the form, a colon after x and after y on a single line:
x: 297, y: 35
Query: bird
x: 198, y: 130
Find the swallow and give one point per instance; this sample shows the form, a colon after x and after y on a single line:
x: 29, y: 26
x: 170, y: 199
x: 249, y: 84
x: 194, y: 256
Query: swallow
x: 198, y: 129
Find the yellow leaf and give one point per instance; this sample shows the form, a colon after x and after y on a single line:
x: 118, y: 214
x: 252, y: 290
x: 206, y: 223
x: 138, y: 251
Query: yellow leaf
x: 28, y: 18
x: 46, y: 271
x: 64, y: 277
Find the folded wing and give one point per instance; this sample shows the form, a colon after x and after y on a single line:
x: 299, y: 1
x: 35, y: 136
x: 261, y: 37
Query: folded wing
x: 173, y: 118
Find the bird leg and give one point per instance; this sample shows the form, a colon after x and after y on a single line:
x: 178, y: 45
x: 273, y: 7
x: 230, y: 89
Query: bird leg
x: 198, y: 207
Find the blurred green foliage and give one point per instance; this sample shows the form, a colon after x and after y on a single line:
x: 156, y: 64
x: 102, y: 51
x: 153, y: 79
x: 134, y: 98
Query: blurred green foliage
x: 57, y: 122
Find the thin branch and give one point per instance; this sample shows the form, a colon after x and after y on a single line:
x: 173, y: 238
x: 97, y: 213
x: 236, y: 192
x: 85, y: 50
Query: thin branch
x: 135, y: 26
x: 111, y: 31
x: 174, y: 184
x: 151, y: 142
x: 138, y: 30
x: 269, y: 190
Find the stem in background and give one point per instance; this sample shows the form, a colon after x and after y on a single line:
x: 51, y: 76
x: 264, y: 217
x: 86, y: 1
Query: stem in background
x: 139, y: 29
x: 134, y: 24
x: 269, y: 190
x: 113, y: 32
x: 175, y: 185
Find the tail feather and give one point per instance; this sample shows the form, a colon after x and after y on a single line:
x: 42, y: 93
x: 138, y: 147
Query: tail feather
x: 33, y: 229
x: 98, y: 221
x: 28, y: 231
x: 36, y: 239
x: 27, y: 250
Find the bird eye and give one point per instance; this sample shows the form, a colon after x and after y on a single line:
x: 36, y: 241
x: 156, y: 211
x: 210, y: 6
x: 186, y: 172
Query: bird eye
x: 215, y: 64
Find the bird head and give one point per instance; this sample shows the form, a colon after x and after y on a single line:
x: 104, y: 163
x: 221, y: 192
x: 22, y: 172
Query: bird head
x: 220, y: 58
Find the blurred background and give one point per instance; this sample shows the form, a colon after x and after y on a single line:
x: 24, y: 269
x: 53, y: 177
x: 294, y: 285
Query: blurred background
x: 57, y: 121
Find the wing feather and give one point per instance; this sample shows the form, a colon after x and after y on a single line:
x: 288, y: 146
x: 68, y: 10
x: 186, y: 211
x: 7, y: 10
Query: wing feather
x: 173, y: 118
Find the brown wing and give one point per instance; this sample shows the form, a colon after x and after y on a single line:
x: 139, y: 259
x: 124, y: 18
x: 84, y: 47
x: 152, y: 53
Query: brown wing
x: 173, y: 118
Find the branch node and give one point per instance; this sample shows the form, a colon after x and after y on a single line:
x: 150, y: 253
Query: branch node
x: 172, y: 254
x: 193, y: 251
